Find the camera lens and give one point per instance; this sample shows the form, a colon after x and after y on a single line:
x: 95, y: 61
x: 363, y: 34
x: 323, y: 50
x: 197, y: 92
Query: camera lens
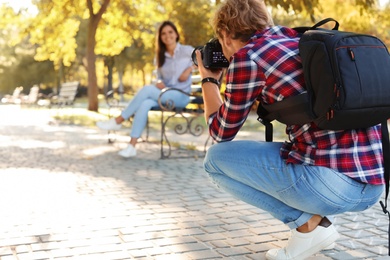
x: 193, y: 55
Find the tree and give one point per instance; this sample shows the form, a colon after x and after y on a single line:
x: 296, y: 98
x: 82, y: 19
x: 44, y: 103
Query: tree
x: 94, y: 20
x: 17, y: 64
x: 55, y: 28
x: 113, y: 28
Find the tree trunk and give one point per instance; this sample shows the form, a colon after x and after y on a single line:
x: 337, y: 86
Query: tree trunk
x: 144, y: 77
x: 93, y: 102
x: 120, y: 87
x: 109, y: 61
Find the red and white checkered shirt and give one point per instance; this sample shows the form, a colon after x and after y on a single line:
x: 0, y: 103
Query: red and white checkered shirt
x: 269, y: 68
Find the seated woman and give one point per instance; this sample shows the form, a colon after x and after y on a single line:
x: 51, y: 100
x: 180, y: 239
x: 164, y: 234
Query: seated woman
x: 174, y: 68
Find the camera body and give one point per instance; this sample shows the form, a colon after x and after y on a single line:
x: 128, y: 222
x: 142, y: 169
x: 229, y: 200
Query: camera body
x: 212, y: 55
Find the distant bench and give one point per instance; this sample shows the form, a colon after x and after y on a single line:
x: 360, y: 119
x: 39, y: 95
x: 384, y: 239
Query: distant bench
x: 66, y: 95
x: 190, y: 114
x: 15, y: 98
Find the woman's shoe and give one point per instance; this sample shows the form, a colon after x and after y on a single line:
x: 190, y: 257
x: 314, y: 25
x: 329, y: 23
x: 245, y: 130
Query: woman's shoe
x: 109, y: 125
x: 128, y: 152
x: 303, y: 245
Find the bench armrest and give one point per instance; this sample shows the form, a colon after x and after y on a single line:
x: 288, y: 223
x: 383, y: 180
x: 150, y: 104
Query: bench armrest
x: 111, y: 100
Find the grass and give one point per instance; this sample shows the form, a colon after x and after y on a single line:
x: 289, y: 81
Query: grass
x: 79, y: 115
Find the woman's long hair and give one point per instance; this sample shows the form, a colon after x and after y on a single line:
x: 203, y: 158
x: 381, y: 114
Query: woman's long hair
x: 160, y: 46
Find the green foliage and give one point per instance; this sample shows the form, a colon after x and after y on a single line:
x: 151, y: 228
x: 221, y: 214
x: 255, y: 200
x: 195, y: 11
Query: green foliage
x: 17, y: 64
x: 311, y: 7
x: 299, y: 6
x: 351, y: 14
x: 374, y: 21
x: 54, y: 30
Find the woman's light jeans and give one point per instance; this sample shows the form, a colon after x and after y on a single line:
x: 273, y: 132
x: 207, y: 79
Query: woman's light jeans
x: 144, y: 100
x: 254, y: 173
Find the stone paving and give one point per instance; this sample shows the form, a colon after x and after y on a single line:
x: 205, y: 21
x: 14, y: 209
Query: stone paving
x: 65, y: 194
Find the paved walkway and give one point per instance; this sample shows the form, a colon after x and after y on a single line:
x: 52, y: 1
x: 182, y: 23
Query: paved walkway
x: 65, y: 194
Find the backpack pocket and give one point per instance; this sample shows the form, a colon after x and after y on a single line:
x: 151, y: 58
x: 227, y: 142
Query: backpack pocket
x: 362, y: 84
x: 363, y: 81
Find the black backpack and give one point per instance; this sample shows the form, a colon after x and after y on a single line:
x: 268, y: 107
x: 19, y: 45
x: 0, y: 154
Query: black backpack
x: 347, y: 77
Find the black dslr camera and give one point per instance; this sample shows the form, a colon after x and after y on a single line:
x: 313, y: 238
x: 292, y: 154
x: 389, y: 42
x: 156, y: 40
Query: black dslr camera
x: 212, y: 55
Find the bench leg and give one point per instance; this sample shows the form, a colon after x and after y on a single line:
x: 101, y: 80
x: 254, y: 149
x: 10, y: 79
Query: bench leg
x: 147, y: 130
x: 189, y: 126
x: 164, y: 155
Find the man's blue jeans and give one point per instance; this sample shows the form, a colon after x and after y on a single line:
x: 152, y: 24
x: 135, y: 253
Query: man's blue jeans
x: 144, y: 100
x: 254, y: 172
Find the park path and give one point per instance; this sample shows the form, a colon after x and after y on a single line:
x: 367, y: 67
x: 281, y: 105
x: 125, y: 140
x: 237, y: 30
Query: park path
x: 65, y: 194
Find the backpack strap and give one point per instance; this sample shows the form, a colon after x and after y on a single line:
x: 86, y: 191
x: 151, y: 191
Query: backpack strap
x: 303, y: 29
x: 290, y: 111
x: 262, y: 118
x: 327, y: 20
x: 386, y: 163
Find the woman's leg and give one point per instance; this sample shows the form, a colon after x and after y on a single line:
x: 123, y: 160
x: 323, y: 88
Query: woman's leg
x: 141, y: 118
x: 141, y: 114
x: 147, y: 92
x: 152, y: 92
x: 255, y: 173
x: 179, y: 99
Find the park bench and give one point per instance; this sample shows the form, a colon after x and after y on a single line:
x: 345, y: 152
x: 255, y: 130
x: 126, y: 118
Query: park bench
x: 66, y: 95
x: 190, y: 114
x: 15, y: 98
x: 32, y: 97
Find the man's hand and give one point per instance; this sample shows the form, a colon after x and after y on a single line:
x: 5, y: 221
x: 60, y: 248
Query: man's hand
x: 211, y: 95
x: 205, y: 73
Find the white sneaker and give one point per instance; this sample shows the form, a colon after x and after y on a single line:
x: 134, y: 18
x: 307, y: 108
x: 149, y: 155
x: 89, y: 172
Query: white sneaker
x: 109, y: 125
x: 130, y: 151
x: 303, y: 245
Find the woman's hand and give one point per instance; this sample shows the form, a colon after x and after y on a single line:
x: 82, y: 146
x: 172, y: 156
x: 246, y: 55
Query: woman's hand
x: 160, y: 84
x: 186, y: 73
x: 205, y: 73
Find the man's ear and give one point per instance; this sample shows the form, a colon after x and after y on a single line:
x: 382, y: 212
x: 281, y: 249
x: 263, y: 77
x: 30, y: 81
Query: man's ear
x: 227, y: 40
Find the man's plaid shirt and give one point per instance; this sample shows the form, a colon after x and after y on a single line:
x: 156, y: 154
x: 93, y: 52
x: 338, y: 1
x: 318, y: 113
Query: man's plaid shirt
x: 269, y: 69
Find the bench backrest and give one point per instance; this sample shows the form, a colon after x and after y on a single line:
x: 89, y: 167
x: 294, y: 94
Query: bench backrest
x: 68, y: 92
x: 17, y: 92
x: 33, y: 94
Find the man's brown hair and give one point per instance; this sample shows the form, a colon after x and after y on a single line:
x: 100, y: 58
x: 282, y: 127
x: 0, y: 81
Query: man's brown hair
x: 241, y: 18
